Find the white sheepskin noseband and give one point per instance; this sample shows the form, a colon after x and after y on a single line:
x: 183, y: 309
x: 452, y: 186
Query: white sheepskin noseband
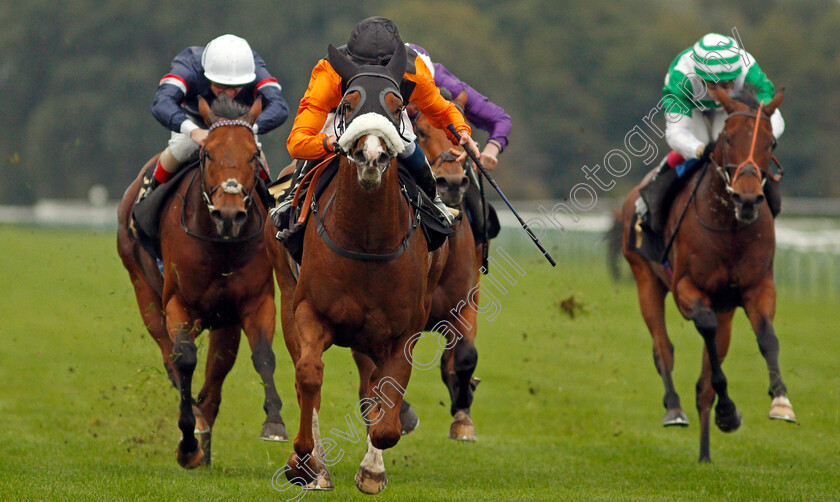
x: 377, y: 125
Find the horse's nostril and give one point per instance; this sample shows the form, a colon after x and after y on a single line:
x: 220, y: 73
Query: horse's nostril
x: 441, y: 182
x: 464, y: 182
x: 759, y: 199
x: 736, y: 198
x: 216, y: 214
x: 240, y: 216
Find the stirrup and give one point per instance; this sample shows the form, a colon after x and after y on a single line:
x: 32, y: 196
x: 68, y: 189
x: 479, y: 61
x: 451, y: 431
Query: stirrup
x: 443, y: 211
x: 280, y: 213
x: 146, y: 186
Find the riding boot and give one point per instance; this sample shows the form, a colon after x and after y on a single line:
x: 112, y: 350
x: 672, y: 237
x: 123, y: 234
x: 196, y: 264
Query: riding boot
x: 425, y: 179
x: 773, y: 195
x: 168, y: 165
x: 147, y: 184
x: 281, y: 213
x: 656, y: 194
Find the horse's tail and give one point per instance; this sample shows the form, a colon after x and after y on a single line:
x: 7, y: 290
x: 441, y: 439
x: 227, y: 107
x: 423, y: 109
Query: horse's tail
x: 613, y: 239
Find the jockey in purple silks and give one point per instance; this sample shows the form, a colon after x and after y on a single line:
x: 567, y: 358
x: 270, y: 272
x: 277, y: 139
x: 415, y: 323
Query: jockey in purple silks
x: 479, y: 110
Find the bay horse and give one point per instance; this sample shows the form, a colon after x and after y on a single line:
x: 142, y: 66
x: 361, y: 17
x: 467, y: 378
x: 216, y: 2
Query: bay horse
x: 721, y: 259
x: 366, y: 278
x: 215, y: 275
x: 454, y: 314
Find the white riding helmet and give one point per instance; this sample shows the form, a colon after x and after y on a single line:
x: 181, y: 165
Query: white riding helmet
x: 228, y: 60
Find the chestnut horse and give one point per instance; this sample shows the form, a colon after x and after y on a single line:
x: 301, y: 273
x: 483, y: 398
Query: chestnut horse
x: 216, y: 275
x: 366, y: 278
x: 721, y: 259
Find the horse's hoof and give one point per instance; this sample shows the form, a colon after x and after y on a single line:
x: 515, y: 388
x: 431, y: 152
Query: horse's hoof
x: 781, y: 409
x: 274, y: 431
x: 322, y: 482
x: 462, y: 428
x: 370, y: 482
x: 728, y: 422
x: 705, y: 459
x: 675, y: 416
x: 201, y: 425
x: 189, y: 460
x: 409, y: 421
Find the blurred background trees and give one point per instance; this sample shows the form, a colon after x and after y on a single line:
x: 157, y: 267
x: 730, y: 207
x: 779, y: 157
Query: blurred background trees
x: 77, y: 78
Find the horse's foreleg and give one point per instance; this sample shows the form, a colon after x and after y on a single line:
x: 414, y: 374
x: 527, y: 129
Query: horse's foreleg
x: 259, y: 328
x: 184, y: 355
x: 705, y: 391
x: 408, y: 417
x: 304, y: 465
x: 695, y: 306
x: 652, y: 293
x: 382, y: 405
x: 458, y: 365
x: 221, y: 354
x: 760, y: 306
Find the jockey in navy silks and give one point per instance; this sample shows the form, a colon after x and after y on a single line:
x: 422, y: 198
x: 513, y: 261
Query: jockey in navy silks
x: 226, y: 66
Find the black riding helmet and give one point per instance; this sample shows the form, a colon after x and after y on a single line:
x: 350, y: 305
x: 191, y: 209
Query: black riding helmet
x: 373, y: 41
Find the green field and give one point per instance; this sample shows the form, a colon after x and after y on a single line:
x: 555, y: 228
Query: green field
x: 569, y: 408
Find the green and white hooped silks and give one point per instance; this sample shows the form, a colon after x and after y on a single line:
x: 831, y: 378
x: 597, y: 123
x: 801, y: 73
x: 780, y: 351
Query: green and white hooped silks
x: 685, y: 96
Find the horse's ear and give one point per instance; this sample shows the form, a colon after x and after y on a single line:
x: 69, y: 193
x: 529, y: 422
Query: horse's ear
x: 255, y: 110
x: 396, y: 66
x: 774, y: 103
x: 344, y: 66
x: 722, y: 96
x: 204, y: 110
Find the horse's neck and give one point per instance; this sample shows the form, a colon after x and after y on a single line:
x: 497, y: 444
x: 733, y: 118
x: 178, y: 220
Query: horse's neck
x: 373, y: 221
x: 715, y: 204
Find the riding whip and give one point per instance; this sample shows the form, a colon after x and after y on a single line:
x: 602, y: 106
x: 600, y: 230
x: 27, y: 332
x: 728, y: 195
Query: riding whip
x: 490, y: 179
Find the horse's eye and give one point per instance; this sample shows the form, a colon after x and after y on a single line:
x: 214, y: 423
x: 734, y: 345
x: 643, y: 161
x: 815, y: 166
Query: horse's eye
x: 359, y: 156
x: 383, y: 158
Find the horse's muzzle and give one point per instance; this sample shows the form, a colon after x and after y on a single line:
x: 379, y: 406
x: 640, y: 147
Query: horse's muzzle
x: 747, y: 206
x: 228, y: 221
x: 370, y: 174
x: 452, y: 188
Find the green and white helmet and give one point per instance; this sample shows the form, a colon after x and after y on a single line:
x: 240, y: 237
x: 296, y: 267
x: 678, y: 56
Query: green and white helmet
x: 717, y: 58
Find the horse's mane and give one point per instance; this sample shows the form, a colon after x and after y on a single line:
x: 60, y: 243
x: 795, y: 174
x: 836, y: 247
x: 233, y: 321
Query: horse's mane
x: 227, y: 108
x: 748, y: 96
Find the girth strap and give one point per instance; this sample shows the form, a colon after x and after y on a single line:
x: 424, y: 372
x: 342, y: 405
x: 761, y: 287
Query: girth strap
x: 356, y: 255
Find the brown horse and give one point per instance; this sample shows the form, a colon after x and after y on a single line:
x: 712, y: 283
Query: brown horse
x: 456, y: 295
x: 366, y: 278
x: 722, y: 258
x: 216, y: 275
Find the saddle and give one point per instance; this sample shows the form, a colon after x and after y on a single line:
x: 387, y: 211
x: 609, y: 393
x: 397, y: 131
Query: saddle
x: 291, y: 224
x: 146, y: 214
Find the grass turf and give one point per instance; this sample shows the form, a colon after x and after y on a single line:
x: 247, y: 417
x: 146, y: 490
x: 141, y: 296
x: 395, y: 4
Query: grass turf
x: 569, y: 408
